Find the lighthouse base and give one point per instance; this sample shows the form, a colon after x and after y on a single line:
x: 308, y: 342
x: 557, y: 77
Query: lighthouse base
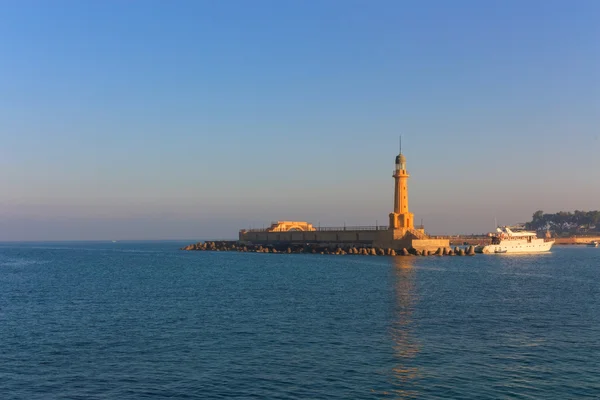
x: 404, y: 238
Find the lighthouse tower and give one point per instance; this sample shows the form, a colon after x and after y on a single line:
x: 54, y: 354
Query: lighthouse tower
x: 401, y: 218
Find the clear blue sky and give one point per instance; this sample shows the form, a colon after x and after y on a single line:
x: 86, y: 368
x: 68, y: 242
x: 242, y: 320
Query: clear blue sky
x: 158, y: 119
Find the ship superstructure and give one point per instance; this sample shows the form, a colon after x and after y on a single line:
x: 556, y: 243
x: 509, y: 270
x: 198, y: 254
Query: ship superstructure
x: 504, y: 240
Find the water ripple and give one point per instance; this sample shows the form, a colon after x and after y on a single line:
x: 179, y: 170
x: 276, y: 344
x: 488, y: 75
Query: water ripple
x: 134, y: 321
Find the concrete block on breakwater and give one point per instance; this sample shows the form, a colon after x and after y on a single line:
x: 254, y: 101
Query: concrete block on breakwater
x: 320, y: 249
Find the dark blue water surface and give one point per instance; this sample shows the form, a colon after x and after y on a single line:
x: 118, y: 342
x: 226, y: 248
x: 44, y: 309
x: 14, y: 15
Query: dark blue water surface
x: 145, y: 320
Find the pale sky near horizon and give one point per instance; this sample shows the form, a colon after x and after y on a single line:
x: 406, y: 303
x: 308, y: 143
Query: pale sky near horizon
x: 192, y: 119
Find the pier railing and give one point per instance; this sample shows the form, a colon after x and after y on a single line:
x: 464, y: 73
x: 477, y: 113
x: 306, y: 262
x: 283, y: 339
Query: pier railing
x: 352, y: 228
x: 326, y: 229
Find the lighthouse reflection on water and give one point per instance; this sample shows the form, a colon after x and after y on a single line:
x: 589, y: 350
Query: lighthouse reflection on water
x: 406, y: 347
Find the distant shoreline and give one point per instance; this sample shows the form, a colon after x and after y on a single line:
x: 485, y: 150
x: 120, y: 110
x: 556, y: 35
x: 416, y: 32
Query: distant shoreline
x: 562, y: 241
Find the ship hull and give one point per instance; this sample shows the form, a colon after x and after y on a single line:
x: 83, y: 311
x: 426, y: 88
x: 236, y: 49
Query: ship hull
x: 516, y: 246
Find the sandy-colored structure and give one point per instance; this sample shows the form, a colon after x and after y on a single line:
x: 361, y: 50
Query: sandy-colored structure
x: 401, y: 232
x: 284, y: 226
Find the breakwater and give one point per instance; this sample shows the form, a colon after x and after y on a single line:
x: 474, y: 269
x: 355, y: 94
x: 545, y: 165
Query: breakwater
x: 346, y: 238
x: 581, y: 240
x: 320, y: 249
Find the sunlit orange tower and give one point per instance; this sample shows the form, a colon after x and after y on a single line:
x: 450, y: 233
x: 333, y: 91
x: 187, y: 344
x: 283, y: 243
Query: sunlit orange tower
x: 401, y: 218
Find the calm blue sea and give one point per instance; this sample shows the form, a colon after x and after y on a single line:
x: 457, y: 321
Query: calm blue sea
x: 145, y: 320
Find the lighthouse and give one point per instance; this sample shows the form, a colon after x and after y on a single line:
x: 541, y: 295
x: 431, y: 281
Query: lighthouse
x: 401, y: 218
x: 401, y: 235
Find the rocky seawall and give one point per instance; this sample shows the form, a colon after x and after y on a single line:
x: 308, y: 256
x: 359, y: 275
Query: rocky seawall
x: 580, y: 240
x: 320, y: 249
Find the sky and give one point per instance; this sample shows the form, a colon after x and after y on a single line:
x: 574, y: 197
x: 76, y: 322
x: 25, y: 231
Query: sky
x: 192, y: 119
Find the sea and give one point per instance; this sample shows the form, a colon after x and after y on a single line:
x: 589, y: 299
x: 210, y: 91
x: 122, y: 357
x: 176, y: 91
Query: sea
x: 145, y: 320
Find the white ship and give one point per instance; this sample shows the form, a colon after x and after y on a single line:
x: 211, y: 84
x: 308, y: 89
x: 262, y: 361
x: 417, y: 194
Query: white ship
x: 507, y: 241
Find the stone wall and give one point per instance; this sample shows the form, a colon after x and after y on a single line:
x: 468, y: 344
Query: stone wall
x: 576, y: 240
x: 349, y: 237
x: 376, y: 238
x: 430, y: 244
